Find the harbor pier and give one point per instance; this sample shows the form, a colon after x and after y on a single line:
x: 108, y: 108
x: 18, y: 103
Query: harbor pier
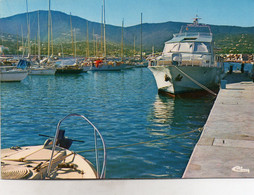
x: 226, y: 146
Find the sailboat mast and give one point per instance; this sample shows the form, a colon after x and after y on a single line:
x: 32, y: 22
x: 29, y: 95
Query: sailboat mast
x: 17, y: 43
x: 2, y: 37
x: 105, y: 52
x: 28, y: 30
x: 134, y: 47
x: 49, y: 22
x: 101, y: 30
x: 39, y: 40
x: 72, y: 36
x: 62, y: 50
x: 94, y: 44
x: 75, y: 42
x: 22, y: 41
x: 141, y: 39
x: 35, y: 38
x: 52, y: 46
x: 87, y: 39
x: 122, y: 40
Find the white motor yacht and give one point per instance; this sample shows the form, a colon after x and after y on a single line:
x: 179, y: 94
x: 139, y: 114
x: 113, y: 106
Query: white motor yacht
x: 187, y: 63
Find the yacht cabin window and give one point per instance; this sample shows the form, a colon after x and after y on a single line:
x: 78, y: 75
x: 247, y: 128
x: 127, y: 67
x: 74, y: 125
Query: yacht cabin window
x: 202, y: 47
x: 171, y: 47
x: 178, y: 47
x: 187, y: 47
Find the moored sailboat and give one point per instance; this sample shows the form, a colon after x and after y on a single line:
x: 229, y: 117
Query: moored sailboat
x: 104, y: 64
x: 12, y: 74
x: 107, y: 65
x: 42, y: 70
x: 38, y: 68
x: 70, y: 66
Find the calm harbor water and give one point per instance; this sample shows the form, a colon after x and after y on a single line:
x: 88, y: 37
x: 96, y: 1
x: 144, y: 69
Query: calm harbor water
x: 123, y: 105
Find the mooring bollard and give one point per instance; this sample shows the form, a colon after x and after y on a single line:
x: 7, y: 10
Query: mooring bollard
x: 230, y: 69
x: 242, y: 68
x: 223, y: 84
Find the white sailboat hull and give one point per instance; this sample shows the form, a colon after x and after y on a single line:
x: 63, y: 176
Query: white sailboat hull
x: 169, y: 79
x: 42, y: 71
x: 13, y: 75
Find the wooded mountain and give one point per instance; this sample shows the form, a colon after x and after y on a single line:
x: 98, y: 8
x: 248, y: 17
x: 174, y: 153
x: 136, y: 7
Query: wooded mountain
x: 154, y: 34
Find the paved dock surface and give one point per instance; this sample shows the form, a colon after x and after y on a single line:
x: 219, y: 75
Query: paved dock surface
x: 226, y: 146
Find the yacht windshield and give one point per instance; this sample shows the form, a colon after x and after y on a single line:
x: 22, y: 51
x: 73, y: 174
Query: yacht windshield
x: 187, y: 47
x: 178, y: 47
x: 202, y: 47
x: 203, y: 29
x: 171, y: 47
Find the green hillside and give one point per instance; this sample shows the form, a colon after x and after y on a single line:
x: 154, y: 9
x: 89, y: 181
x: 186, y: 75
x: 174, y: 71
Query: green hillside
x: 228, y: 39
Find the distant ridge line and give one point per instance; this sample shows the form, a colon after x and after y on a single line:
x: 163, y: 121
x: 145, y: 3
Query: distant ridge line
x: 154, y: 34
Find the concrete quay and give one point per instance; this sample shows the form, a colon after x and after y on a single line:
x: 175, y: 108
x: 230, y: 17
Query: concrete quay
x: 226, y: 146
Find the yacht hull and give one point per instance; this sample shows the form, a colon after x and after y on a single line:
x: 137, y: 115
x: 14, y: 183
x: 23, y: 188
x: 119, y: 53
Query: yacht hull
x: 171, y: 79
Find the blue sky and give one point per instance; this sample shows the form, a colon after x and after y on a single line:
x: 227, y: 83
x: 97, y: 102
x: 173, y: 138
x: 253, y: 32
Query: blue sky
x: 218, y: 12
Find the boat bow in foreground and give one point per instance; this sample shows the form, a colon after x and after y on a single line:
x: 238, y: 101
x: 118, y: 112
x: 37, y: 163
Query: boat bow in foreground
x: 53, y: 160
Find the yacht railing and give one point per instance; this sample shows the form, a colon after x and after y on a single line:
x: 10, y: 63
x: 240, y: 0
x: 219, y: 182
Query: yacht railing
x: 192, y: 34
x: 96, y: 131
x: 181, y: 63
x: 190, y: 60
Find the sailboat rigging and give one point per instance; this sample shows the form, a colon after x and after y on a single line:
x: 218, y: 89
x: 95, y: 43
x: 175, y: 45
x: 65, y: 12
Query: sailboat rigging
x: 28, y: 31
x: 49, y: 24
x: 39, y: 40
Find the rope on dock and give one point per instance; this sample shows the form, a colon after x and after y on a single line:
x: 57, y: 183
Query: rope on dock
x: 145, y: 142
x: 196, y: 82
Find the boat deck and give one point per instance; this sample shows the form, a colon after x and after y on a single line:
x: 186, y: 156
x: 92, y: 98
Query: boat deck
x: 32, y: 162
x: 226, y: 146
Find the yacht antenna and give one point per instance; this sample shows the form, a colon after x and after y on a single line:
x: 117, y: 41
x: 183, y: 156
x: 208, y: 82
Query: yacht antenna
x: 195, y: 20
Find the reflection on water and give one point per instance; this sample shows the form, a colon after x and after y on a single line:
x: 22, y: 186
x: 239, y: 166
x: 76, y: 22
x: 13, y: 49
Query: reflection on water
x: 123, y: 105
x: 170, y: 114
x: 162, y: 115
x: 172, y: 117
x: 163, y: 110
